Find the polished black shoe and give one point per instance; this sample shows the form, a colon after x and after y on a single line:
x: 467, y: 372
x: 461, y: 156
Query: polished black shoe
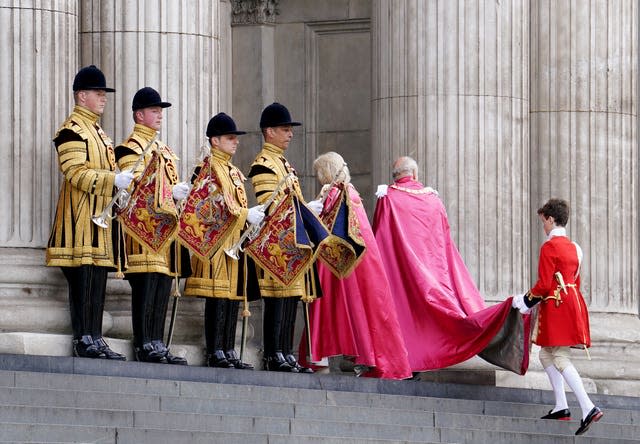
x: 148, y: 353
x: 291, y: 360
x: 594, y: 416
x: 277, y: 363
x: 562, y: 415
x: 108, y: 353
x: 219, y: 360
x: 161, y: 349
x: 175, y: 360
x: 85, y: 348
x: 234, y: 359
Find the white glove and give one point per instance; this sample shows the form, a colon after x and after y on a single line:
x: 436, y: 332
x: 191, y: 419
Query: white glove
x: 180, y: 190
x: 315, y: 206
x: 123, y: 179
x: 518, y: 302
x: 381, y: 191
x: 255, y: 214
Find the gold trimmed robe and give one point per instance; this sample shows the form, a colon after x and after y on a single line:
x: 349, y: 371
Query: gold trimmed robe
x: 87, y: 162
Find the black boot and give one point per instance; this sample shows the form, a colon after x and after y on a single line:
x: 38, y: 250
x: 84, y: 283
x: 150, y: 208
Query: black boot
x: 161, y: 303
x: 148, y: 353
x: 235, y: 361
x: 277, y: 363
x: 160, y: 347
x: 291, y: 360
x: 108, y: 353
x: 230, y: 323
x: 79, y: 280
x: 143, y: 288
x: 218, y: 359
x: 85, y: 348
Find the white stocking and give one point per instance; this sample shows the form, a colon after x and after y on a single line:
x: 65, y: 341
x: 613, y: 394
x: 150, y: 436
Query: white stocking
x: 558, y: 388
x: 573, y: 379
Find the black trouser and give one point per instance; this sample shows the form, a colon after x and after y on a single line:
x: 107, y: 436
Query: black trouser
x: 279, y: 324
x: 220, y: 320
x: 149, y: 301
x: 87, y: 288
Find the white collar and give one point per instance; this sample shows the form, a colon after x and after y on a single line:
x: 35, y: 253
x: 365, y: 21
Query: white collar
x: 557, y: 231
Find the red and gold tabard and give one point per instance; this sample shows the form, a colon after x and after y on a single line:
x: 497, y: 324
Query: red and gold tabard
x: 141, y: 259
x: 563, y: 319
x: 339, y: 215
x: 220, y: 277
x: 87, y: 162
x: 268, y: 169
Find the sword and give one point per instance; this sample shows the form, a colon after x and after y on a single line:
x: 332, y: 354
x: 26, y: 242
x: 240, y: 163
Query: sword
x: 560, y: 280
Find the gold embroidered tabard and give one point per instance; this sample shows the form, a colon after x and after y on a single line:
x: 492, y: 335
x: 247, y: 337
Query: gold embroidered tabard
x: 220, y: 277
x: 139, y: 258
x: 264, y: 182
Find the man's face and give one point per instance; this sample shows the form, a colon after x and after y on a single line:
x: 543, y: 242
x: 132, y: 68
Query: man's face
x: 279, y: 136
x: 150, y: 117
x: 93, y: 99
x: 227, y: 143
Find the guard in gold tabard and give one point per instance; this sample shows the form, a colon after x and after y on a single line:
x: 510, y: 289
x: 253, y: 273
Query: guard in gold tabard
x: 150, y: 273
x: 222, y: 280
x: 280, y: 302
x: 83, y: 250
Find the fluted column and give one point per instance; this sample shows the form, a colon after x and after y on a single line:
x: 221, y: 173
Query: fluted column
x: 584, y: 73
x: 39, y: 51
x: 180, y: 48
x: 450, y: 88
x: 38, y: 57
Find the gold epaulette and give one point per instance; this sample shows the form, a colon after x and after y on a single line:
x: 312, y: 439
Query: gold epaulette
x: 72, y: 125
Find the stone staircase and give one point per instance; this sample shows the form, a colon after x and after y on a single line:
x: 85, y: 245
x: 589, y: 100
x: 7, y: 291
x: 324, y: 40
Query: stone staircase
x: 60, y: 399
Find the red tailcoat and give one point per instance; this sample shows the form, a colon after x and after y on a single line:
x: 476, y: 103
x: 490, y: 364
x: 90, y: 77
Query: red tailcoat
x: 563, y: 322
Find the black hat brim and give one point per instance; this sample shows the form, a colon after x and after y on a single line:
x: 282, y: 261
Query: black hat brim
x: 149, y: 105
x: 237, y: 133
x: 97, y: 88
x: 275, y: 125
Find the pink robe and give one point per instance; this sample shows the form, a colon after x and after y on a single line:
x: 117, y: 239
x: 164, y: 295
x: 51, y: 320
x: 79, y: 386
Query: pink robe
x: 356, y: 315
x: 442, y: 315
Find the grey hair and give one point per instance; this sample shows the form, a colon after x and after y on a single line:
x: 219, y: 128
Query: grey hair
x: 331, y: 167
x: 404, y: 165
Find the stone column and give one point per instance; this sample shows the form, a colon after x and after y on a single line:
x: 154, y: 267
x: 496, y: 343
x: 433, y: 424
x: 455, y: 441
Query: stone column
x: 38, y: 59
x: 584, y: 140
x: 182, y: 49
x: 450, y: 88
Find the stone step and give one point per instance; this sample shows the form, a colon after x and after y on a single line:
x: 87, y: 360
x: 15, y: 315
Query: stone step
x: 313, y: 397
x: 47, y: 433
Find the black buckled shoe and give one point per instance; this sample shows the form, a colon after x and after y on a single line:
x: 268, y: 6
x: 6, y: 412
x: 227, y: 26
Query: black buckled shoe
x: 169, y: 358
x: 234, y: 359
x: 108, y: 353
x: 218, y: 360
x: 277, y: 363
x: 594, y: 416
x: 562, y: 415
x: 175, y: 360
x: 291, y: 360
x: 85, y: 348
x: 148, y: 353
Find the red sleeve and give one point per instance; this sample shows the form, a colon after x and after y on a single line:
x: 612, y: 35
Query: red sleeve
x: 546, y: 268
